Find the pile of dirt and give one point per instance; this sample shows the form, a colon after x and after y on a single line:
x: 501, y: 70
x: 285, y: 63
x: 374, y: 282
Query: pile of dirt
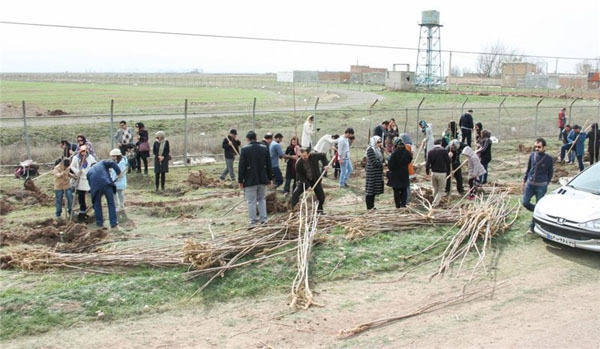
x: 522, y: 148
x: 197, y: 179
x: 57, y: 112
x: 31, y: 195
x: 559, y: 172
x: 61, y: 235
x: 274, y: 204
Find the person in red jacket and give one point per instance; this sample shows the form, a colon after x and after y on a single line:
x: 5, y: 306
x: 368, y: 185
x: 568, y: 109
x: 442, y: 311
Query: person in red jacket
x: 562, y: 118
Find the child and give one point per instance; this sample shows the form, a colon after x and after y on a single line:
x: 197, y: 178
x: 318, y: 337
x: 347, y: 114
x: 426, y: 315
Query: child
x: 120, y: 181
x: 62, y: 186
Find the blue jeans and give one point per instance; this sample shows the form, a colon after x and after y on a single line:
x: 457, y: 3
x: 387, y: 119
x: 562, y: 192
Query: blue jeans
x: 346, y: 170
x: 530, y: 191
x: 563, y: 150
x: 110, y: 200
x: 483, y: 177
x: 228, y: 169
x: 278, y: 176
x: 580, y: 162
x: 59, y: 198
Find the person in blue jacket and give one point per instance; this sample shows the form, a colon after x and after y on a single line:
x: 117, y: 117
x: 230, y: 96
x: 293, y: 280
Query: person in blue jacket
x: 101, y: 183
x: 120, y: 180
x: 577, y: 137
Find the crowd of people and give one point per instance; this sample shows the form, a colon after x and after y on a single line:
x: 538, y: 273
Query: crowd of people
x: 79, y: 171
x: 389, y: 156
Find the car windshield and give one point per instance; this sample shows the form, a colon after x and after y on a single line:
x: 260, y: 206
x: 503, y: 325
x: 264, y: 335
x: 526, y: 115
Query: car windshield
x: 588, y: 180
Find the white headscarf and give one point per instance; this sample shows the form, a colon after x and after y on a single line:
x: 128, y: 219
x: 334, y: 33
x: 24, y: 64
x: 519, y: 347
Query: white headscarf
x: 377, y: 150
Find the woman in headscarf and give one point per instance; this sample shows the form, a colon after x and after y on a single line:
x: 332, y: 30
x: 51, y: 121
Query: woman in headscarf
x: 478, y: 129
x: 485, y: 153
x: 392, y: 132
x: 374, y: 168
x: 451, y: 133
x: 475, y: 170
x: 398, y: 176
x: 161, y: 151
x: 143, y: 145
x: 81, y: 141
x: 428, y: 132
x: 307, y: 132
x: 408, y: 144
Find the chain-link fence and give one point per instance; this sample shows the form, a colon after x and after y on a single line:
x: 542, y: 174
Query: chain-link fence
x: 194, y: 133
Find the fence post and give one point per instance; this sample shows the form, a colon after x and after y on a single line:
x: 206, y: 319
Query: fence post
x: 570, y: 120
x: 536, y: 116
x: 185, y: 112
x: 499, y: 112
x: 406, y: 119
x: 112, y: 126
x: 254, y: 115
x: 462, y: 107
x: 371, y: 121
x: 27, y: 141
x: 315, y: 121
x: 418, y: 116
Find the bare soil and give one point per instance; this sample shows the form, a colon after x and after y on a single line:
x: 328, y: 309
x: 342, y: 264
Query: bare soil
x: 549, y: 302
x: 62, y: 235
x: 10, y: 110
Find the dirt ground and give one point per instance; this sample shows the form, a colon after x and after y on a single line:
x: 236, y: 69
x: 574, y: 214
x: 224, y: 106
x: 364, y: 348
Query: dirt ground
x: 550, y: 301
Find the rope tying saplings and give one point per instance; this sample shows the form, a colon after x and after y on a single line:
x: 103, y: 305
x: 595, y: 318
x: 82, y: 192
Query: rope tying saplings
x: 308, y: 218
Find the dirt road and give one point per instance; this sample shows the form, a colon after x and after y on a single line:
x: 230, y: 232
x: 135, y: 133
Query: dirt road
x: 350, y: 98
x: 551, y: 300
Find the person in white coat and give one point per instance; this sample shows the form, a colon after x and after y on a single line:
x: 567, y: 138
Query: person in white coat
x: 476, y: 170
x: 121, y: 180
x: 308, y: 132
x: 428, y: 132
x: 81, y: 164
x: 325, y: 144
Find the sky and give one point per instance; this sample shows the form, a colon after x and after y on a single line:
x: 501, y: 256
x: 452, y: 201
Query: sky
x: 531, y: 27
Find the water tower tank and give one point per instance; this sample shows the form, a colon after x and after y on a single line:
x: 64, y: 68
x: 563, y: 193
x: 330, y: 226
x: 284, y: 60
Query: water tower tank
x: 430, y: 17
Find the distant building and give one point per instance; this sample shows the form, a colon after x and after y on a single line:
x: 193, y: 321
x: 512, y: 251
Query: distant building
x: 361, y: 74
x: 366, y: 69
x: 512, y: 73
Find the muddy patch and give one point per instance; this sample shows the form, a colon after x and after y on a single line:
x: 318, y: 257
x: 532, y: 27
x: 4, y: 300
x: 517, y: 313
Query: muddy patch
x: 558, y: 173
x: 522, y: 148
x: 276, y: 204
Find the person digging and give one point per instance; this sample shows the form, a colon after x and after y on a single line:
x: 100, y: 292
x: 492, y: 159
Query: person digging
x: 308, y: 177
x: 101, y: 184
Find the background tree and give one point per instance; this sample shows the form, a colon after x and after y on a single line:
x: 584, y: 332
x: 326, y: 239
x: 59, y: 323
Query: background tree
x: 489, y: 64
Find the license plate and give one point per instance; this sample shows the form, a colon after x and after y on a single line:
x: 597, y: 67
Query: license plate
x: 560, y: 240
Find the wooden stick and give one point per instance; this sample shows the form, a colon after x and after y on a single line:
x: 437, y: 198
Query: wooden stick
x: 456, y: 169
x: 419, y: 151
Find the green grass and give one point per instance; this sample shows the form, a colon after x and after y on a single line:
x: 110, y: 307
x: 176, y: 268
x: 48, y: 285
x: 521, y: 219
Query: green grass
x: 75, y: 98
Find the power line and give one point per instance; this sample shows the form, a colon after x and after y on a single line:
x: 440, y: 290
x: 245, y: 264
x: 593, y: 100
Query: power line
x: 310, y: 42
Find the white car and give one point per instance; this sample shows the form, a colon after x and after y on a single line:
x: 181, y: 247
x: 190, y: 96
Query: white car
x: 570, y: 215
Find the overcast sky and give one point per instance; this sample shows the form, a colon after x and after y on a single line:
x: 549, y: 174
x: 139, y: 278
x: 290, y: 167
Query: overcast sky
x: 553, y: 28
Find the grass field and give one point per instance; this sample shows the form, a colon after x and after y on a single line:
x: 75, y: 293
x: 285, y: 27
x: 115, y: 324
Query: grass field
x: 32, y: 303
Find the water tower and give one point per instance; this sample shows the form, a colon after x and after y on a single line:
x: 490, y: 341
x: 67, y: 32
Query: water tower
x: 429, y: 56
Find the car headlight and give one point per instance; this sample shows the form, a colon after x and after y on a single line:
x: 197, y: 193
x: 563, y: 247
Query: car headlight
x: 591, y: 225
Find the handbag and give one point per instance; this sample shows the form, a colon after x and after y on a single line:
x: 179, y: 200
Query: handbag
x: 145, y: 146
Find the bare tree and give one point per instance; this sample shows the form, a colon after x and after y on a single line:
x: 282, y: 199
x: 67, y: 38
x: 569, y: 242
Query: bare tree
x: 489, y: 64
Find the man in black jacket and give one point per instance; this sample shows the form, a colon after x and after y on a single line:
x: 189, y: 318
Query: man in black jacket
x: 381, y: 130
x: 455, y: 147
x: 231, y: 145
x: 466, y: 126
x: 438, y: 162
x: 254, y: 176
x: 307, y: 173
